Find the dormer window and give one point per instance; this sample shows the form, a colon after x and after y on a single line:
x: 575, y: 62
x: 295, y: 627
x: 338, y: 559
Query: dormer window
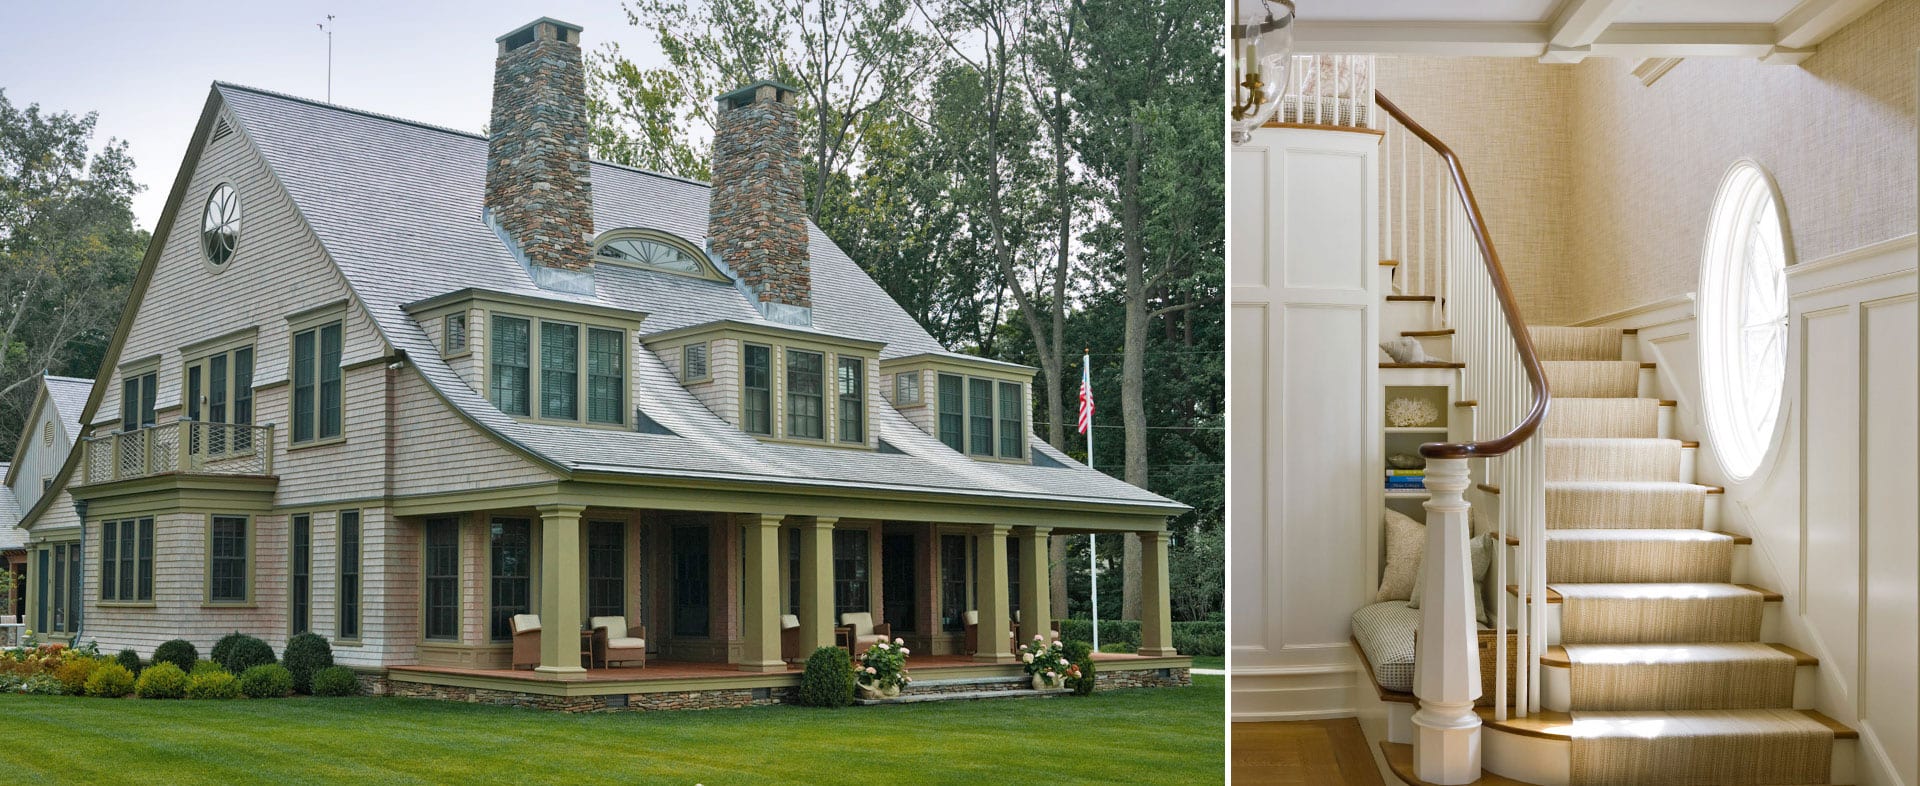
x: 653, y: 250
x: 975, y: 406
x: 778, y: 383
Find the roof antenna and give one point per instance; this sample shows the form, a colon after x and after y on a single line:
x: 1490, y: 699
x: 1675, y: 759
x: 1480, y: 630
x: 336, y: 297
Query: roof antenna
x: 327, y: 27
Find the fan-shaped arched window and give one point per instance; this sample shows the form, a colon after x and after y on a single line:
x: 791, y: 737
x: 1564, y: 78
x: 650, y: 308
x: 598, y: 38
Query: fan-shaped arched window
x: 652, y: 250
x: 1743, y: 318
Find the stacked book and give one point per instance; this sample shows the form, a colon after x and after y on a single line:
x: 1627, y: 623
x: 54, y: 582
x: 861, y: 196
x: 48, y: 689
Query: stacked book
x: 1406, y: 480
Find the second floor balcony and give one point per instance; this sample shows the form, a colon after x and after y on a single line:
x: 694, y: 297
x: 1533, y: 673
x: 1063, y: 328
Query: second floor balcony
x: 183, y: 447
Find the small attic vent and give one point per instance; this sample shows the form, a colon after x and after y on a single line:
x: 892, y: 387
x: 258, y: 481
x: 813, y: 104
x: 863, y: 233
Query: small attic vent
x: 1043, y: 460
x: 221, y: 130
x: 647, y: 425
x: 887, y: 447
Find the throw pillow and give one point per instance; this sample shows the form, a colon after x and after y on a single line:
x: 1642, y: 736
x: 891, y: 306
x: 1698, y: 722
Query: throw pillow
x: 1480, y: 553
x: 1406, y: 542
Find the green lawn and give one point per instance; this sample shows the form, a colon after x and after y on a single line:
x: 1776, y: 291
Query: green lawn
x: 1156, y: 735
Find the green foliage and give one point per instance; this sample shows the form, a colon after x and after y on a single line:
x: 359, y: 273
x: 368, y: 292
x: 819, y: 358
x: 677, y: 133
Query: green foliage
x: 828, y: 679
x: 178, y: 652
x: 1083, y: 684
x: 110, y: 681
x: 335, y: 681
x: 74, y: 671
x: 214, y: 683
x: 266, y: 681
x: 306, y: 653
x: 207, y: 667
x: 1076, y: 650
x: 161, y: 681
x: 42, y: 685
x: 129, y: 659
x: 237, y: 652
x: 1190, y: 637
x: 1118, y: 647
x: 1199, y: 642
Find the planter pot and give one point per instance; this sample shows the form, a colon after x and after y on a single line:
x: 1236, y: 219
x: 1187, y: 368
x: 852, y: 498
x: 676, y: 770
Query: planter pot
x: 1040, y: 682
x: 875, y: 692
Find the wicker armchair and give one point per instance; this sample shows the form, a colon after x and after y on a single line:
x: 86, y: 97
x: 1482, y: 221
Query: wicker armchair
x: 615, y: 642
x: 865, y: 632
x: 526, y: 640
x: 790, y: 639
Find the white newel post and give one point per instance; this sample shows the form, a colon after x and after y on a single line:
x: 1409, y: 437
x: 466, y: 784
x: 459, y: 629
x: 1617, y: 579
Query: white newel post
x: 1446, y: 668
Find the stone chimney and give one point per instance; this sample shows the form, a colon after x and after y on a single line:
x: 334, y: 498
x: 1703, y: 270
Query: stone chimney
x: 538, y: 196
x: 757, y: 220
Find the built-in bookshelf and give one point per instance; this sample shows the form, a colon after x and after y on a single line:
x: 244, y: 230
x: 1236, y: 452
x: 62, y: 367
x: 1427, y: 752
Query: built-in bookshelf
x: 1403, y: 486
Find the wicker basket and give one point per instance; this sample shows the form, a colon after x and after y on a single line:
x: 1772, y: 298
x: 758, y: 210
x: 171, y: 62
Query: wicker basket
x: 1487, y: 666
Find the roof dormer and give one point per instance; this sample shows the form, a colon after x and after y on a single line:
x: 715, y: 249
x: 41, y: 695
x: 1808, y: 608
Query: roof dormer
x: 778, y: 383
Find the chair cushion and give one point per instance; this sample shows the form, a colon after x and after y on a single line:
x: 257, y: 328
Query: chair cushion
x: 616, y: 626
x: 1385, y: 632
x: 864, y: 640
x: 789, y: 622
x: 626, y: 643
x: 972, y: 617
x: 862, y: 622
x: 526, y: 623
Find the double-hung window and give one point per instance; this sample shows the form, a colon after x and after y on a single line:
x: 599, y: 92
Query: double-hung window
x: 606, y: 569
x: 756, y: 401
x: 606, y: 375
x: 442, y: 579
x: 512, y: 554
x: 316, y: 384
x: 137, y: 397
x: 582, y: 370
x: 1012, y: 426
x: 227, y: 557
x: 300, y: 575
x: 980, y: 417
x: 512, y: 359
x: 348, y: 585
x: 849, y: 571
x: 853, y: 404
x: 952, y: 411
x: 806, y: 408
x: 559, y: 371
x: 126, y: 560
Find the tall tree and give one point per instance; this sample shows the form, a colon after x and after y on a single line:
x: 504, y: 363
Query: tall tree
x: 68, y: 250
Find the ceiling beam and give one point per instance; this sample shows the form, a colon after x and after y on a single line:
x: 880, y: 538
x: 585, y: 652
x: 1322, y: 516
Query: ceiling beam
x: 1812, y: 21
x: 1636, y: 41
x: 1530, y: 39
x: 1582, y: 21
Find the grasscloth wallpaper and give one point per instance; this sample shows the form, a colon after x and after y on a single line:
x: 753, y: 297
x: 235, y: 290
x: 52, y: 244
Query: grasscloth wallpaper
x: 1598, y: 188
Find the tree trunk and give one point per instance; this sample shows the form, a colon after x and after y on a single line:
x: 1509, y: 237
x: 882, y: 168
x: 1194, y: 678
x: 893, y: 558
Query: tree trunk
x: 1133, y: 407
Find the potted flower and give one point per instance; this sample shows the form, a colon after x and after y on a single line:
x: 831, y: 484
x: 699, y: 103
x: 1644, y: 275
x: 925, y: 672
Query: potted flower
x: 1046, y: 662
x: 882, y: 670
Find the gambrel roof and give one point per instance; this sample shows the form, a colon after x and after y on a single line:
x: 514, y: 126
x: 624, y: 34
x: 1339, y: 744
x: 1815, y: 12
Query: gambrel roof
x: 397, y: 207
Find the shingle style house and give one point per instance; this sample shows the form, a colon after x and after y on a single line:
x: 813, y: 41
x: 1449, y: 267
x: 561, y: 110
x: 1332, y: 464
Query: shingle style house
x: 383, y: 395
x: 52, y: 425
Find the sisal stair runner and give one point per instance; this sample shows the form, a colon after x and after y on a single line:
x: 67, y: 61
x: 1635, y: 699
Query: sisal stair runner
x: 1669, y: 681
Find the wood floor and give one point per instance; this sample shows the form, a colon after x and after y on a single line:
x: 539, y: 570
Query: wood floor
x: 1320, y: 753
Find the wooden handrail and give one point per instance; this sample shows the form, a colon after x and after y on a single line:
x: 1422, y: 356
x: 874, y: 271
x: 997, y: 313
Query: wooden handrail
x: 1523, y: 342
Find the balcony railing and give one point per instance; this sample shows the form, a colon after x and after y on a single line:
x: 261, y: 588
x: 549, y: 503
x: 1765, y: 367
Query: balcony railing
x: 185, y: 446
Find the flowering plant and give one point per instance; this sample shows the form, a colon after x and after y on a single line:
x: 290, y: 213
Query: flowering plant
x: 1046, y: 659
x: 883, y: 665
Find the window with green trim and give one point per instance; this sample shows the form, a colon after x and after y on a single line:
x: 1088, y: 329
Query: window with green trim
x: 559, y: 370
x: 300, y: 576
x: 806, y: 407
x: 442, y: 579
x: 512, y: 577
x: 852, y: 380
x: 137, y: 397
x: 606, y: 375
x: 349, y: 582
x: 953, y: 411
x: 316, y: 383
x: 606, y: 569
x: 849, y: 571
x: 512, y: 360
x: 1012, y: 431
x: 126, y: 560
x: 756, y: 401
x: 227, y: 559
x: 980, y: 417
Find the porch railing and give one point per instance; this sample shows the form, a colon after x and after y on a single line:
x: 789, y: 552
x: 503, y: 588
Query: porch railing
x: 1457, y: 264
x: 183, y: 446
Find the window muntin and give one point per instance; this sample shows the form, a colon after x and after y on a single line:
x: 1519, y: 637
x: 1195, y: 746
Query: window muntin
x: 1743, y: 319
x: 980, y: 417
x: 693, y: 362
x: 442, y: 579
x: 512, y: 578
x: 454, y: 334
x: 582, y: 370
x: 226, y: 396
x: 512, y: 359
x: 952, y: 411
x: 851, y: 377
x: 220, y: 225
x: 559, y: 370
x: 850, y: 575
x: 348, y: 586
x: 756, y: 405
x: 138, y: 394
x: 65, y: 589
x: 1012, y: 425
x: 606, y: 375
x: 1013, y: 574
x: 126, y: 560
x: 648, y: 253
x: 806, y: 405
x: 691, y: 572
x: 953, y: 582
x: 906, y: 388
x: 606, y: 569
x: 300, y: 576
x: 316, y: 384
x: 227, y: 557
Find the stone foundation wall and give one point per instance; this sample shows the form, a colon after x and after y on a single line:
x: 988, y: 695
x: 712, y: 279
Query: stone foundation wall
x: 1141, y: 678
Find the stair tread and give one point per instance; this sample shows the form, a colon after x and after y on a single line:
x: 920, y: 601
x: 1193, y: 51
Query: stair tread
x: 1651, y: 535
x: 1436, y: 364
x: 1557, y: 655
x: 1661, y: 590
x: 1564, y: 726
x: 1426, y: 333
x: 1627, y: 486
x: 1554, y: 595
x: 1409, y: 298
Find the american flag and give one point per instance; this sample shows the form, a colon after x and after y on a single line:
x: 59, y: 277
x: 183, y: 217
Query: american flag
x: 1086, y: 395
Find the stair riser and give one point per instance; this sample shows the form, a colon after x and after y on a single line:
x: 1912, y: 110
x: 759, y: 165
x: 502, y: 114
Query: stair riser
x: 1666, y: 463
x: 1770, y: 620
x: 1581, y: 562
x: 1556, y: 688
x: 1437, y: 346
x: 1398, y: 316
x: 1742, y: 574
x: 1549, y: 762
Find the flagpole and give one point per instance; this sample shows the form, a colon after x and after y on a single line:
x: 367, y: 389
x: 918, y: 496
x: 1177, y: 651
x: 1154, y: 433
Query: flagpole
x: 1093, y: 565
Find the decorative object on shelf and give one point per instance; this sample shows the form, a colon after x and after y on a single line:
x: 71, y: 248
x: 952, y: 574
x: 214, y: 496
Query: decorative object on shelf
x: 1407, y: 349
x: 1046, y: 662
x: 1405, y: 412
x: 1406, y: 461
x: 882, y: 669
x: 1407, y: 483
x: 1262, y: 52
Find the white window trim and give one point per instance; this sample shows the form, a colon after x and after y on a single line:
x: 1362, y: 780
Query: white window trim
x: 1742, y: 434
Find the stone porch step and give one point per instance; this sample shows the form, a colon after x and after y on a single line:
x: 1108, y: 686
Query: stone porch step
x: 972, y: 695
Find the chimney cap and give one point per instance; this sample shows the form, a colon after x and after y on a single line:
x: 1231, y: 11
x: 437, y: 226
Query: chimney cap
x: 537, y: 22
x: 744, y: 95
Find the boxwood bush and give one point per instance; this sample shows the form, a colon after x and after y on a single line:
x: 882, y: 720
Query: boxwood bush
x: 335, y: 681
x: 129, y: 659
x: 207, y: 666
x: 161, y: 681
x: 110, y: 681
x: 306, y: 653
x: 213, y: 683
x: 828, y: 680
x: 238, y: 652
x: 178, y: 652
x: 73, y: 673
x: 1083, y: 684
x: 266, y: 681
x: 1190, y: 637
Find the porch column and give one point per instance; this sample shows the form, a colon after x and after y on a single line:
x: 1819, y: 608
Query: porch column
x: 1036, y: 604
x: 1156, y: 604
x: 994, y: 613
x: 816, y: 585
x: 760, y: 606
x: 560, y: 588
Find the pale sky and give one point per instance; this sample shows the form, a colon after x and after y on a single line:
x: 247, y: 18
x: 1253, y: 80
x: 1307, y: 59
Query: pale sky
x: 146, y: 66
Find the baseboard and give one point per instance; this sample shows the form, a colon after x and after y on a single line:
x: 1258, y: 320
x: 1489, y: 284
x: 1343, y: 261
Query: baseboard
x: 1293, y: 693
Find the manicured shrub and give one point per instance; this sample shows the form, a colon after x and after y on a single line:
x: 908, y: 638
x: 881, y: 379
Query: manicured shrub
x: 266, y: 681
x: 214, y: 683
x: 1118, y: 646
x: 306, y: 654
x: 335, y: 681
x: 74, y: 672
x: 161, y: 681
x: 238, y: 652
x: 129, y: 659
x: 178, y: 652
x: 1199, y: 634
x: 1076, y: 650
x: 110, y: 681
x: 207, y: 667
x: 1198, y: 642
x: 828, y: 680
x: 1083, y: 684
x: 11, y: 682
x: 42, y: 685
